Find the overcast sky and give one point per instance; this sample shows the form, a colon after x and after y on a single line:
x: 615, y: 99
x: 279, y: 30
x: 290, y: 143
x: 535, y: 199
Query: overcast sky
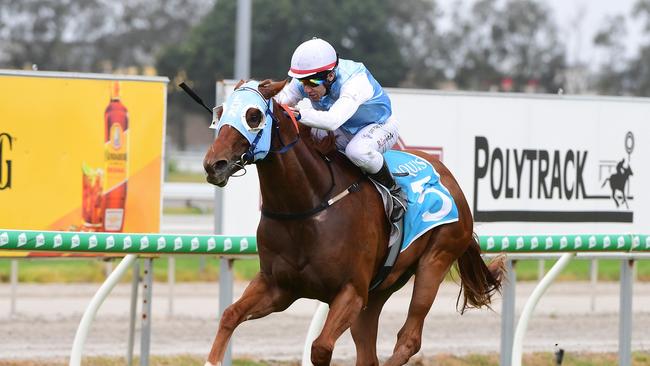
x: 579, y: 33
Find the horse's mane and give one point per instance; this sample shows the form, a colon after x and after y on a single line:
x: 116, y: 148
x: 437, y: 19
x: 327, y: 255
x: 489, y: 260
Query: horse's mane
x: 324, y: 146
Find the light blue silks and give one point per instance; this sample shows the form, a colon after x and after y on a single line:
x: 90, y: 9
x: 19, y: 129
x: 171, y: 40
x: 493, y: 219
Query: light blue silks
x: 429, y: 202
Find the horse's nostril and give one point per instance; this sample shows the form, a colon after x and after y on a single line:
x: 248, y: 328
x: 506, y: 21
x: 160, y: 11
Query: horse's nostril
x: 219, y: 165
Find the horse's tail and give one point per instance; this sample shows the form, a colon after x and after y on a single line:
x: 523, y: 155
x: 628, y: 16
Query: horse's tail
x: 478, y: 281
x: 604, y: 182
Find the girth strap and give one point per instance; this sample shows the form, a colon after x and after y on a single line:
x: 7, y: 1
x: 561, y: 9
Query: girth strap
x: 391, y: 258
x: 354, y: 187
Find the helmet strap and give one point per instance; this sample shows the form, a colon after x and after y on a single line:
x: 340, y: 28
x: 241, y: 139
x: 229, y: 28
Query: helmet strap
x: 328, y: 83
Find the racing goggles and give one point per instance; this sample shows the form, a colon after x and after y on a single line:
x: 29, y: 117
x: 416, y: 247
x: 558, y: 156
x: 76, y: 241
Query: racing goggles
x: 312, y: 82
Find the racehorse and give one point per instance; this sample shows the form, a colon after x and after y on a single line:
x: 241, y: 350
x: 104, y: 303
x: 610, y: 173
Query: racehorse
x: 617, y: 182
x: 313, y: 246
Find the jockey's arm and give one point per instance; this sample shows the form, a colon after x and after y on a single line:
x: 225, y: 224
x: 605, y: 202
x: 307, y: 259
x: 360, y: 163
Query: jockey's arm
x: 356, y: 91
x: 290, y: 94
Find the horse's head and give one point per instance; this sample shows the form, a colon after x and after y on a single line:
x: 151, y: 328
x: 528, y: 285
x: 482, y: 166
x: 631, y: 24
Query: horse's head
x: 243, y: 123
x: 628, y: 171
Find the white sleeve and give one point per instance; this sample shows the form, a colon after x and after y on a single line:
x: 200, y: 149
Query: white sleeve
x: 354, y: 92
x: 290, y: 94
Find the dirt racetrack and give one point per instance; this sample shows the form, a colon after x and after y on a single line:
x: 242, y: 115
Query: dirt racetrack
x: 48, y: 315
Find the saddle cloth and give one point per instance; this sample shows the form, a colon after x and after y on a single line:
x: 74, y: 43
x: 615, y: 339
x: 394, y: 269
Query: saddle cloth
x: 429, y: 202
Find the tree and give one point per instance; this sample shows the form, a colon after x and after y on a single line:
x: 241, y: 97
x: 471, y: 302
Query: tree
x: 496, y: 39
x: 638, y: 72
x: 415, y: 24
x: 356, y: 29
x: 91, y: 35
x: 610, y: 38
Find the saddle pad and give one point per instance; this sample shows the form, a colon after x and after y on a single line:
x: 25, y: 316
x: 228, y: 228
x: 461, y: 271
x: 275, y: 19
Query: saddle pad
x: 429, y: 202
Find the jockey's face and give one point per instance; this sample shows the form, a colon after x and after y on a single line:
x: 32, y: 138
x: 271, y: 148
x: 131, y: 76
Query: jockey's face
x: 316, y: 89
x: 315, y: 92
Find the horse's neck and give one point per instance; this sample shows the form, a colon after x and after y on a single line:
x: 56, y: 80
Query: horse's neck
x: 295, y: 181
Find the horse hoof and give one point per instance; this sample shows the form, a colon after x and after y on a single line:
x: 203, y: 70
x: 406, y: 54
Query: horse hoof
x: 208, y: 363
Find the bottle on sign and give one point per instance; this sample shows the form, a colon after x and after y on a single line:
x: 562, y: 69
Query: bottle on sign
x: 116, y: 121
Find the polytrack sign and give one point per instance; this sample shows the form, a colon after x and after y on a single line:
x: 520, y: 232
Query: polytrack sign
x: 539, y: 163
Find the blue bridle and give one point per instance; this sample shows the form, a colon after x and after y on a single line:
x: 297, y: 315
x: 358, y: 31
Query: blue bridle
x: 259, y: 137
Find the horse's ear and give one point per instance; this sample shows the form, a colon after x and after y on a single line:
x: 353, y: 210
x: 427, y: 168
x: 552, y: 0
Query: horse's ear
x: 270, y: 88
x: 218, y: 111
x: 239, y: 84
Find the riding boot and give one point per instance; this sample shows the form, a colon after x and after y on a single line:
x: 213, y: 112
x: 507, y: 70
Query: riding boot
x: 385, y: 178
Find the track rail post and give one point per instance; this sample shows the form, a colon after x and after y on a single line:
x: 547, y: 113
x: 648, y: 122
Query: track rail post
x: 532, y: 301
x: 93, y: 306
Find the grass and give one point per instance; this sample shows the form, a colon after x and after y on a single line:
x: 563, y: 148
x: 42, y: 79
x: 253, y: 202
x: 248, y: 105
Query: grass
x: 82, y: 270
x: 181, y: 360
x: 184, y: 177
x: 536, y: 359
x: 533, y: 359
x: 608, y: 270
x: 192, y: 268
x: 186, y: 210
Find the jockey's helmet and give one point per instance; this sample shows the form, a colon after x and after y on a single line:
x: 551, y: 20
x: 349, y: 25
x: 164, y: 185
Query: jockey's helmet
x: 312, y: 57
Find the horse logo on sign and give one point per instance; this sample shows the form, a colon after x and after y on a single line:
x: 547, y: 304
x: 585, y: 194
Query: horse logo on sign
x: 618, y: 181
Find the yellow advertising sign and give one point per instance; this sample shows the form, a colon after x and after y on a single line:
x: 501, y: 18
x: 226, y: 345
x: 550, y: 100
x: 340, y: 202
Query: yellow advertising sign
x: 81, y: 152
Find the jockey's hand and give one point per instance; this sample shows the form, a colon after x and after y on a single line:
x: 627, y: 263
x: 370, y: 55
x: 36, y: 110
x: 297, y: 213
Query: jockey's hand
x: 296, y: 112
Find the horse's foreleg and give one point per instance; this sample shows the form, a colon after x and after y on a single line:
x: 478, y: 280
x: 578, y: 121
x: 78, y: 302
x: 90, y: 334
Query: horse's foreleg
x: 625, y: 198
x: 258, y: 300
x: 364, y: 330
x: 343, y: 311
x: 430, y: 272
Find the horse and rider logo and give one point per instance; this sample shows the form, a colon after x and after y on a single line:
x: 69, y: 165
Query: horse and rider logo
x: 618, y: 182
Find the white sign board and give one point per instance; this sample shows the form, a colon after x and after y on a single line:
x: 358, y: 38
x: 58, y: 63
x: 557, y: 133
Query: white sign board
x: 538, y: 164
x: 526, y: 163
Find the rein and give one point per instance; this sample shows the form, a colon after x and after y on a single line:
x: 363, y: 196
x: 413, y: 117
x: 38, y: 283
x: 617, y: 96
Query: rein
x: 249, y: 158
x: 327, y: 201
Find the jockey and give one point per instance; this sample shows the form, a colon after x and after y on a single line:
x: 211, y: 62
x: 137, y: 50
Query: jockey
x: 346, y: 99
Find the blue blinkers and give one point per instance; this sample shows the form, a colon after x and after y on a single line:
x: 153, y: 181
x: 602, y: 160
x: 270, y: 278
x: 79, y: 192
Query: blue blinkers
x: 234, y: 114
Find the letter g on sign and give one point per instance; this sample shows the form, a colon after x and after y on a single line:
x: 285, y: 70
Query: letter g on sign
x: 6, y: 144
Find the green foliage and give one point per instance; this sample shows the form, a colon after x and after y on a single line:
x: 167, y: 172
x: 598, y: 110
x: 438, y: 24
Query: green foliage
x: 638, y: 73
x: 356, y: 29
x: 90, y: 35
x: 189, y: 268
x: 79, y: 270
x: 514, y: 39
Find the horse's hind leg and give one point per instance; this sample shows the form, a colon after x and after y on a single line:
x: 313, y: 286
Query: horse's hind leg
x: 364, y: 329
x: 258, y: 300
x: 343, y: 311
x: 614, y: 197
x: 430, y: 272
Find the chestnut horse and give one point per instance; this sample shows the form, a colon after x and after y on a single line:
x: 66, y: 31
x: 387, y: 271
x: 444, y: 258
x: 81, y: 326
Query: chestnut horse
x: 310, y: 249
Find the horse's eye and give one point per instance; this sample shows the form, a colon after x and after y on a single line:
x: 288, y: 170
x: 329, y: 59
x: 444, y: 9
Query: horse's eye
x: 253, y: 117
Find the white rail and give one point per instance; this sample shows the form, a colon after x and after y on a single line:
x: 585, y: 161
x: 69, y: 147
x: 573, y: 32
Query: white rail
x: 315, y: 327
x: 93, y: 306
x: 532, y: 301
